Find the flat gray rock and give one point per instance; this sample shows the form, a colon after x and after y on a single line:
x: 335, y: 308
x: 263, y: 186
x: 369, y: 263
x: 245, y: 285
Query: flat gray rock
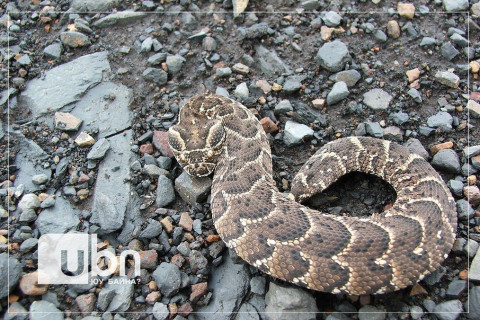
x: 105, y: 115
x: 283, y: 107
x: 116, y: 296
x: 440, y: 119
x: 156, y: 75
x: 471, y: 151
x: 285, y: 302
x: 350, y: 77
x: 338, y: 93
x: 41, y: 310
x: 229, y: 284
x: 99, y: 149
x: 371, y: 313
x: 448, y: 310
x: 447, y: 160
x: 455, y: 5
x: 93, y: 5
x: 447, y: 78
x: 168, y: 278
x: 473, y: 303
x: 58, y: 219
x: 474, y: 271
x: 112, y: 193
x: 333, y: 55
x: 377, y: 99
x: 119, y: 18
x: 64, y: 84
x: 374, y: 129
x: 165, y: 191
x: 175, y: 64
x: 160, y: 311
x: 53, y: 51
x: 269, y: 62
x: 26, y: 161
x: 296, y: 133
x: 10, y: 272
x: 192, y: 189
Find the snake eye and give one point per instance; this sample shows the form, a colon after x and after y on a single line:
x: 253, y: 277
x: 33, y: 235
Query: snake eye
x: 210, y: 154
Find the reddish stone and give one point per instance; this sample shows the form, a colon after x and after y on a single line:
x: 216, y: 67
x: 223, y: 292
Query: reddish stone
x: 86, y: 303
x: 153, y: 297
x: 148, y: 259
x: 198, y: 291
x: 186, y: 222
x: 213, y: 238
x: 268, y: 125
x: 475, y: 95
x: 473, y: 195
x: 160, y: 141
x: 29, y: 285
x: 83, y: 178
x: 146, y: 148
x: 178, y: 260
x: 185, y: 310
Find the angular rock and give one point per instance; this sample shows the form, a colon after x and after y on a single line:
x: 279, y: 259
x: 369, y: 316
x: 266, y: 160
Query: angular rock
x: 371, y: 313
x: 448, y: 310
x: 160, y: 142
x: 377, y: 99
x: 283, y: 107
x: 165, y: 191
x: 53, y: 51
x: 168, y: 278
x: 116, y: 295
x: 332, y: 19
x: 241, y: 91
x: 120, y: 18
x: 338, y: 93
x: 66, y: 122
x: 472, y: 304
x: 333, y: 55
x: 269, y: 62
x: 455, y: 5
x: 282, y: 301
x: 156, y: 75
x: 192, y: 189
x: 374, y: 129
x: 447, y: 160
x: 64, y: 84
x: 473, y: 108
x: 41, y: 310
x: 448, y: 51
x: 59, y: 218
x: 10, y: 272
x: 99, y: 149
x: 293, y: 84
x: 74, y: 39
x: 175, y: 64
x: 350, y: 77
x: 160, y: 311
x: 296, y: 133
x: 93, y: 5
x: 449, y: 79
x: 440, y: 119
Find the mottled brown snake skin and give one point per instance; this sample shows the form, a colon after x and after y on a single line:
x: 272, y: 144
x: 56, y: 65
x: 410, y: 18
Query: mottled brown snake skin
x: 384, y: 252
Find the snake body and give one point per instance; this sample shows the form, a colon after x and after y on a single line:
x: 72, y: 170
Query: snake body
x: 384, y: 252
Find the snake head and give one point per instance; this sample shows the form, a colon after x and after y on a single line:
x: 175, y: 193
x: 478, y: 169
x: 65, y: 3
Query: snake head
x: 197, y: 145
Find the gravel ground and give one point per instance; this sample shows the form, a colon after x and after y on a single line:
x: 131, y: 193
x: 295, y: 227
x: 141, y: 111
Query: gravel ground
x: 89, y: 88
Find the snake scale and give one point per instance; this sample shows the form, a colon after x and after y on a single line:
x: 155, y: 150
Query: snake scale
x: 384, y: 252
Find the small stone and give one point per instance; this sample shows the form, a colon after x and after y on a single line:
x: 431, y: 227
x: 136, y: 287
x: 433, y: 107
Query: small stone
x: 99, y: 149
x: 416, y: 312
x: 406, y: 10
x: 192, y: 189
x: 296, y: 133
x: 147, y: 45
x: 427, y: 42
x: 241, y: 91
x: 66, y: 122
x: 29, y: 285
x: 146, y: 148
x: 449, y: 310
x: 413, y: 74
x: 350, y: 77
x: 168, y: 279
x: 40, y: 179
x: 415, y: 94
x: 148, y: 259
x: 448, y: 51
x: 186, y: 222
x: 153, y: 171
x: 209, y: 44
x: 332, y: 19
x: 185, y: 309
x: 474, y: 108
x: 472, y: 193
x: 455, y: 6
x: 167, y: 224
x: 223, y: 72
x: 40, y: 310
x: 84, y: 140
x: 374, y: 129
x: 74, y: 39
x: 472, y: 304
x: 456, y: 287
x: 399, y: 118
x: 292, y: 84
x: 318, y: 103
x: 377, y: 99
x: 175, y: 64
x: 241, y: 68
x: 53, y: 51
x: 460, y: 41
x: 153, y: 297
x: 268, y: 125
x: 441, y: 146
x: 160, y: 141
x: 86, y: 303
x: 449, y: 79
x: 471, y: 151
x: 198, y: 263
x: 157, y: 59
x: 165, y: 191
x: 393, y: 133
x: 160, y: 311
x: 447, y: 160
x: 456, y: 187
x: 282, y: 301
x: 393, y: 29
x: 283, y: 107
x: 333, y: 55
x: 155, y: 75
x: 198, y: 291
x: 371, y: 313
x: 338, y: 93
x: 82, y: 194
x: 440, y: 119
x: 257, y: 285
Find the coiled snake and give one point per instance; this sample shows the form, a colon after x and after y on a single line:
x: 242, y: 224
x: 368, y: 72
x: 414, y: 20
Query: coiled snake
x: 384, y: 252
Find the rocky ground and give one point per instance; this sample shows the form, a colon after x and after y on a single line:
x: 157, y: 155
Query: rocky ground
x: 89, y: 89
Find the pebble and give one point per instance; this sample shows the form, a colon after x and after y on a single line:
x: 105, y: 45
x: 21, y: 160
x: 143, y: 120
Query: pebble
x: 464, y: 210
x: 86, y: 303
x: 120, y: 18
x: 153, y: 171
x: 209, y: 44
x: 160, y: 311
x: 406, y: 10
x: 10, y: 272
x: 380, y: 36
x: 292, y: 84
x: 415, y: 146
x: 165, y: 191
x: 427, y: 42
x: 296, y: 133
x: 447, y: 160
x: 148, y: 259
x: 448, y: 310
x: 456, y: 187
x: 84, y: 140
x: 240, y: 68
x: 437, y: 147
x: 472, y: 193
x: 157, y: 58
x: 146, y: 45
x: 393, y: 29
x: 168, y: 278
x: 257, y: 285
x: 473, y: 108
x: 472, y: 304
x: 333, y: 56
x: 415, y: 94
x: 456, y: 287
x: 53, y: 51
x: 198, y: 263
x: 455, y: 5
x: 198, y: 291
x: 193, y: 189
x: 223, y: 72
x: 282, y: 301
x: 447, y: 78
x: 283, y: 107
x: 241, y: 91
x: 416, y: 312
x: 66, y: 122
x: 338, y: 93
x: 40, y: 179
x: 350, y: 77
x: 440, y: 119
x: 332, y: 19
x: 448, y: 51
x: 99, y: 149
x: 374, y: 129
x: 74, y: 39
x: 116, y: 296
x: 393, y: 133
x: 153, y: 230
x: 459, y: 40
x: 175, y: 64
x: 41, y: 310
x: 160, y: 142
x: 371, y: 313
x: 29, y: 285
x: 471, y: 151
x: 377, y: 99
x: 471, y: 248
x: 156, y: 75
x: 399, y: 118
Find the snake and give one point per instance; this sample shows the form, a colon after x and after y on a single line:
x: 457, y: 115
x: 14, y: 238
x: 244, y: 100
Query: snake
x: 274, y: 232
